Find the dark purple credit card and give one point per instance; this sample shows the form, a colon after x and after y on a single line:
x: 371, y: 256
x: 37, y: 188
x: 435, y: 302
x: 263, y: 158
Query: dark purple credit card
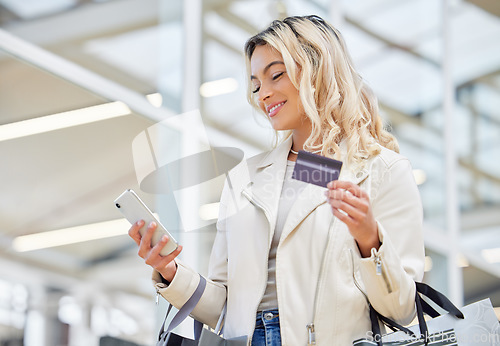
x: 316, y: 169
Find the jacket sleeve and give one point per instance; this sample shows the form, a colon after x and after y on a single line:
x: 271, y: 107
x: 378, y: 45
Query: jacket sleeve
x: 389, y: 273
x: 186, y: 279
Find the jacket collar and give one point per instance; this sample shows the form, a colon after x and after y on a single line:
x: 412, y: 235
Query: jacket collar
x: 275, y: 155
x: 350, y: 172
x: 279, y: 155
x: 267, y: 182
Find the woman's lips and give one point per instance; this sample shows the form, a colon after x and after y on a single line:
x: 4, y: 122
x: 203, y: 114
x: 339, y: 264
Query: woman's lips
x: 275, y: 109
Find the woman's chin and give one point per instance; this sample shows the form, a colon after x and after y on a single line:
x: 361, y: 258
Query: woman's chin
x: 280, y: 128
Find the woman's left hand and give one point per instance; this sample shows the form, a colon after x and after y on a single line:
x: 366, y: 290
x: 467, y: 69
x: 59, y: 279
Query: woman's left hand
x: 351, y: 205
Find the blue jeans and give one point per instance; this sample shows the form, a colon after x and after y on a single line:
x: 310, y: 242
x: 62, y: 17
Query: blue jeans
x: 267, y: 329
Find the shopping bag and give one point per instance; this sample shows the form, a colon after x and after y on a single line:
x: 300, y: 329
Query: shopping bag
x: 212, y: 339
x: 207, y: 338
x: 172, y: 339
x: 166, y: 337
x: 473, y: 325
x: 202, y: 336
x: 438, y: 339
x: 112, y: 341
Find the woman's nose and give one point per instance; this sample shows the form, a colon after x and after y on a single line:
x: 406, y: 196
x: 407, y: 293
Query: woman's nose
x: 264, y: 93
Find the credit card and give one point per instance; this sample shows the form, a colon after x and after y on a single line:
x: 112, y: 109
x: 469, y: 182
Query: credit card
x: 316, y: 169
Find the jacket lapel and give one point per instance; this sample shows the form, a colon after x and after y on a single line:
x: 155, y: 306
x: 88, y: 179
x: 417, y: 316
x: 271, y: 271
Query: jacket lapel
x: 264, y: 188
x: 307, y: 201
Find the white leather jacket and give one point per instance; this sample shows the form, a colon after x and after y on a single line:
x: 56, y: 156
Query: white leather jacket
x: 320, y: 275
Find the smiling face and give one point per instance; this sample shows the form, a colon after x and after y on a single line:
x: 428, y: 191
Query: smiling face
x: 276, y: 95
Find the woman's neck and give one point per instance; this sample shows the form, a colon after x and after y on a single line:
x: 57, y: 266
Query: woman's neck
x: 299, y: 137
x: 298, y: 140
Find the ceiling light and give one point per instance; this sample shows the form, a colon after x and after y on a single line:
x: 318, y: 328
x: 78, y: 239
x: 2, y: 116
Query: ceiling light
x: 71, y: 235
x: 491, y: 255
x: 462, y: 261
x: 218, y: 87
x: 69, y: 311
x: 28, y: 9
x: 155, y: 99
x: 63, y: 120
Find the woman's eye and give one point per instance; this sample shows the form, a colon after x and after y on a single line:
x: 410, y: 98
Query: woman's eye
x: 256, y: 90
x: 278, y: 75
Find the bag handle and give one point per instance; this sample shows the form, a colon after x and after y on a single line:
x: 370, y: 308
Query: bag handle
x: 422, y: 325
x: 440, y: 299
x: 220, y: 322
x: 185, y: 311
x: 375, y: 317
x: 422, y: 307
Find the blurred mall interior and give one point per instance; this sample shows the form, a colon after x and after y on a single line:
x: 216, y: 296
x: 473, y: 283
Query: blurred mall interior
x: 82, y: 81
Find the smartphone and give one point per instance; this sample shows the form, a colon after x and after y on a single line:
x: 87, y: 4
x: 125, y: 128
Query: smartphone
x: 134, y: 209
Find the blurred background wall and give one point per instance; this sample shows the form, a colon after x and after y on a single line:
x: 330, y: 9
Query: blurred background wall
x: 80, y: 80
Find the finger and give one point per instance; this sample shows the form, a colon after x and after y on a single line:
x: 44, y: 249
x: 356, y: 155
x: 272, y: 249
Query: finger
x: 343, y: 184
x: 153, y: 255
x: 342, y: 216
x: 155, y: 259
x: 353, y: 212
x: 145, y: 246
x: 361, y: 204
x: 155, y: 251
x: 167, y: 259
x: 133, y: 232
x: 349, y: 186
x: 339, y: 194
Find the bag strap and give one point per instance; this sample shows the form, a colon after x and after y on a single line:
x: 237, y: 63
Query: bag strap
x: 375, y: 317
x: 220, y: 322
x: 422, y: 325
x: 375, y: 326
x: 422, y: 307
x: 438, y: 298
x: 429, y: 310
x: 185, y: 311
x: 394, y: 326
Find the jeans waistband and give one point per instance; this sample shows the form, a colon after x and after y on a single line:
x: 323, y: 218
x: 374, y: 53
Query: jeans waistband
x: 268, y: 316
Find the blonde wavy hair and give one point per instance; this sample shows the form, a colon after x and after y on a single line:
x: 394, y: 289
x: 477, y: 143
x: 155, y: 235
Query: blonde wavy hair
x: 335, y: 98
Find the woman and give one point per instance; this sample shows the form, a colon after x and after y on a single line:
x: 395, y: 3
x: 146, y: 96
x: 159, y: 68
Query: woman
x: 295, y: 261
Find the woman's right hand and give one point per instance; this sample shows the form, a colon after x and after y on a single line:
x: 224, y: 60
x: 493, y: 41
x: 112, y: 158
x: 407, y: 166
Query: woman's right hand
x: 165, y: 265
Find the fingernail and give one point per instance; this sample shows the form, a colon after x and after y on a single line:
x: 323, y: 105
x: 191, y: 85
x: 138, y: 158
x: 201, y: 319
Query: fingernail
x: 152, y: 224
x: 329, y: 185
x: 140, y: 223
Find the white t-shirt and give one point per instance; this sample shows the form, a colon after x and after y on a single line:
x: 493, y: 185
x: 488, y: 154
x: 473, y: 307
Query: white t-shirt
x: 289, y: 193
